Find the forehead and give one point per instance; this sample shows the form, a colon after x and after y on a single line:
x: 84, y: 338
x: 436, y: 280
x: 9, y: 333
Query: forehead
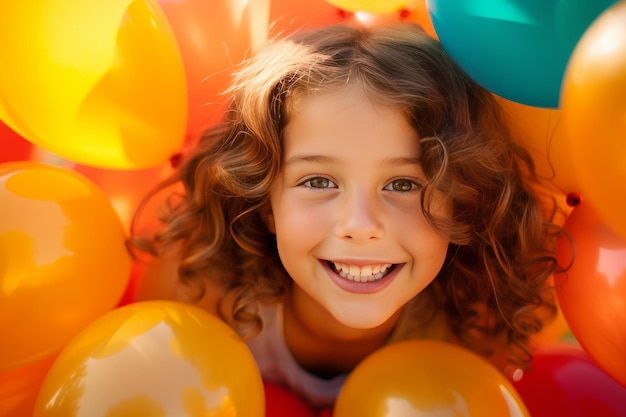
x: 346, y: 120
x: 348, y: 86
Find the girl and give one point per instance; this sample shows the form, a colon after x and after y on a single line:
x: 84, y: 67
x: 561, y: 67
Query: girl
x: 360, y: 190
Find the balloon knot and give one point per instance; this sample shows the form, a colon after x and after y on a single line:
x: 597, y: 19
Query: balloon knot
x: 573, y: 199
x: 344, y: 14
x: 175, y: 160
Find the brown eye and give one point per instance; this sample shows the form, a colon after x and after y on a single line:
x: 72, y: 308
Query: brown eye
x: 319, y: 182
x: 402, y: 185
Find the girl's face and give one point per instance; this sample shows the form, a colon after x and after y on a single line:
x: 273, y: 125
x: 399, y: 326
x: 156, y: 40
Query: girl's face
x: 346, y: 209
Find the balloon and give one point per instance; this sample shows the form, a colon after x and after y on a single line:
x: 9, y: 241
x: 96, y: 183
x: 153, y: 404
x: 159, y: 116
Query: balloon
x: 280, y: 402
x: 418, y: 13
x: 13, y: 146
x: 427, y: 378
x: 592, y: 293
x: 517, y: 49
x: 99, y: 83
x: 63, y: 260
x: 154, y: 358
x: 213, y: 37
x: 288, y: 16
x: 540, y: 131
x: 125, y: 189
x: 564, y: 381
x: 19, y: 388
x: 593, y: 105
x: 131, y: 289
x: 371, y: 6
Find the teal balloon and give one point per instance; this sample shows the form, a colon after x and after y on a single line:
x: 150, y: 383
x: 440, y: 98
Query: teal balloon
x: 517, y: 49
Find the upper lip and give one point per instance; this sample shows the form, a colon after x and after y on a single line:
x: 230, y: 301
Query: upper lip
x: 359, y: 261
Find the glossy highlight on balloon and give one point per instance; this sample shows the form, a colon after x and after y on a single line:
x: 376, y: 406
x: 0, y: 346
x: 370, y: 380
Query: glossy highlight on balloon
x: 154, y: 358
x: 63, y: 259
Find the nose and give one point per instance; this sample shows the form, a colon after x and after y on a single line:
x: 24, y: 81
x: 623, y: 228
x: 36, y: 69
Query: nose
x: 360, y: 218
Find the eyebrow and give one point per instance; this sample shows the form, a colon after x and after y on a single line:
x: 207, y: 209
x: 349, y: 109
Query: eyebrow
x: 316, y: 158
x: 300, y: 158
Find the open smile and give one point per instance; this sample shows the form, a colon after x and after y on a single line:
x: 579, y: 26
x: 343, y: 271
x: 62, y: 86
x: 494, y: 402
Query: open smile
x: 361, y: 273
x: 361, y: 279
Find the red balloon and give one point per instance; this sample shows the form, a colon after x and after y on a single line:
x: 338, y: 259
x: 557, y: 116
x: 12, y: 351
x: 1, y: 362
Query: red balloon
x: 13, y: 147
x: 131, y: 289
x: 19, y: 387
x: 564, y: 381
x: 213, y: 37
x: 287, y: 16
x: 592, y: 293
x: 280, y: 402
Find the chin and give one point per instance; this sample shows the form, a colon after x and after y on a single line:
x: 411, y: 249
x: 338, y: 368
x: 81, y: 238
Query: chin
x: 363, y: 318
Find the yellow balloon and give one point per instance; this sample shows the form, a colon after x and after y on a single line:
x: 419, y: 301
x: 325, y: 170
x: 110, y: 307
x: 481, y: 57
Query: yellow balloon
x: 425, y: 378
x: 63, y: 260
x: 593, y: 102
x: 97, y: 82
x: 154, y: 358
x: 371, y: 6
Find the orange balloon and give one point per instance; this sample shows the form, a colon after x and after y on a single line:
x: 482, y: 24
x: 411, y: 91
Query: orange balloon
x: 125, y: 189
x: 593, y: 102
x: 19, y: 388
x: 427, y: 378
x: 155, y: 358
x: 62, y: 255
x: 592, y: 294
x: 540, y: 131
x: 419, y: 14
x: 99, y: 83
x: 213, y: 37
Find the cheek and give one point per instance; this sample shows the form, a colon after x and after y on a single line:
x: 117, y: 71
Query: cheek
x: 298, y: 227
x: 420, y: 239
x: 297, y: 237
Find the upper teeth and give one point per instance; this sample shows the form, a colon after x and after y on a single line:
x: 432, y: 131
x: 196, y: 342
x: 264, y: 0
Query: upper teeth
x: 364, y: 273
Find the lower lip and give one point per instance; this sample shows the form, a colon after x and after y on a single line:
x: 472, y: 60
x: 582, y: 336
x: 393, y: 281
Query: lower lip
x: 370, y: 287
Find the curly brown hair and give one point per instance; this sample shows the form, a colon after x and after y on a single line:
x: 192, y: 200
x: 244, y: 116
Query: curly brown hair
x: 501, y: 256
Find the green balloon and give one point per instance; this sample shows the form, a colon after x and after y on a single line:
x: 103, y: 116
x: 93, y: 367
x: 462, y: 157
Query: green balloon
x: 517, y: 49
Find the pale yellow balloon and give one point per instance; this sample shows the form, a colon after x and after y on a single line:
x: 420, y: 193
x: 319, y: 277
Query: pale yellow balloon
x: 372, y: 6
x: 154, y: 358
x: 99, y: 83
